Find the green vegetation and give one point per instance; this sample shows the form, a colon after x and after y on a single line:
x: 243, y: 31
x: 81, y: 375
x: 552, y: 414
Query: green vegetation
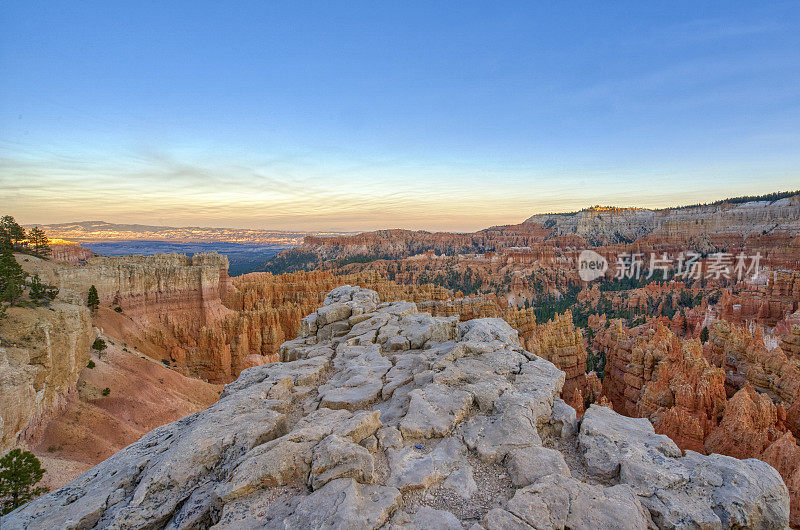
x: 625, y: 284
x: 596, y: 362
x: 292, y: 261
x: 91, y: 364
x: 92, y: 299
x: 549, y: 306
x: 20, y: 471
x: 118, y: 309
x: 99, y: 344
x: 39, y: 241
x: 359, y: 258
x: 771, y: 197
x: 704, y: 335
x: 40, y: 293
x: 466, y: 281
x: 12, y: 278
x: 11, y: 233
x: 106, y: 391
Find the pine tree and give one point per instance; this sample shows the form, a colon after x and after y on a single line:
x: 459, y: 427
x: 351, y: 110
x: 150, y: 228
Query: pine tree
x: 704, y: 335
x: 20, y: 471
x: 93, y: 300
x: 40, y: 242
x: 12, y: 277
x: 36, y: 289
x: 11, y: 233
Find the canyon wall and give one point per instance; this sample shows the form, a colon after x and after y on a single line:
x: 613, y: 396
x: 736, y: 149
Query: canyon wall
x: 42, y: 351
x: 606, y: 225
x: 167, y: 305
x: 70, y: 253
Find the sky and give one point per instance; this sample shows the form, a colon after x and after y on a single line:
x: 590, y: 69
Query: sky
x: 367, y: 115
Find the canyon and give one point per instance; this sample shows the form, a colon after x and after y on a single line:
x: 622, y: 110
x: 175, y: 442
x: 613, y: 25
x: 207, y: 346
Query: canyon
x: 380, y: 414
x: 700, y: 367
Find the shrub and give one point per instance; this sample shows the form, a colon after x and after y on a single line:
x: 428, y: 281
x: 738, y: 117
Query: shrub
x: 99, y: 344
x: 106, y: 391
x: 118, y: 309
x: 91, y: 365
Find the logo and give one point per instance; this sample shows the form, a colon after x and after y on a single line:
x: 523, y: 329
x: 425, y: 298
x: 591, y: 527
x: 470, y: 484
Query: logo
x: 591, y: 265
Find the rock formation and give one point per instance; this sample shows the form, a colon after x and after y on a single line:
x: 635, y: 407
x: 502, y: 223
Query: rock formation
x: 651, y: 373
x: 683, y: 393
x: 561, y: 343
x: 746, y: 359
x: 382, y: 415
x: 42, y: 351
x: 70, y: 253
x: 611, y: 225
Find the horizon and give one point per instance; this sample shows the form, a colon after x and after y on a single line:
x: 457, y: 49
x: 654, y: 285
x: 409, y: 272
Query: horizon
x: 362, y: 117
x: 322, y: 232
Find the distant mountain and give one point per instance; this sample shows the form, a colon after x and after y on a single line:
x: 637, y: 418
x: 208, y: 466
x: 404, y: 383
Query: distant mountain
x: 99, y: 231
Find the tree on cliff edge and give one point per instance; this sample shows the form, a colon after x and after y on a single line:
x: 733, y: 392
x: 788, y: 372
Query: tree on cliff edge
x: 12, y: 277
x: 19, y: 473
x: 93, y: 300
x: 39, y: 241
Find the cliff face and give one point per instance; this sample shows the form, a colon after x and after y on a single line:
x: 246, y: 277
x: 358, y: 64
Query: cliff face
x: 381, y: 414
x: 74, y: 254
x: 614, y: 225
x: 170, y: 301
x: 42, y: 351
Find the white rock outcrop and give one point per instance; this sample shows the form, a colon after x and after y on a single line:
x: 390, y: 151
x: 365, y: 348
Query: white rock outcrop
x: 380, y: 416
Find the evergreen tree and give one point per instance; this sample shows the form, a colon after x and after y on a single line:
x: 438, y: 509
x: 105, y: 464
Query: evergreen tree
x: 93, y: 300
x: 36, y: 289
x: 20, y: 471
x: 11, y: 233
x: 40, y: 242
x: 704, y: 335
x: 12, y: 277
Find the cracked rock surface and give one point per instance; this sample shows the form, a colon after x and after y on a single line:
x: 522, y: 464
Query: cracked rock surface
x: 380, y: 416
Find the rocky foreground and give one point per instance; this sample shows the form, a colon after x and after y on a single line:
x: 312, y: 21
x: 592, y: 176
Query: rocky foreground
x: 381, y: 415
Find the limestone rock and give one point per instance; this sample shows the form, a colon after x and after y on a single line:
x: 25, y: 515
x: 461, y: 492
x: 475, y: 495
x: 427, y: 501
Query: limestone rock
x: 462, y: 482
x: 346, y: 504
x: 529, y: 464
x: 434, y: 410
x: 410, y: 468
x: 558, y: 501
x: 695, y: 489
x: 424, y: 518
x: 248, y: 460
x: 335, y: 458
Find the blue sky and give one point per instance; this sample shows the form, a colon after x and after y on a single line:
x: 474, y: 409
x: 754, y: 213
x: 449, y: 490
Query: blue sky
x: 355, y: 116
